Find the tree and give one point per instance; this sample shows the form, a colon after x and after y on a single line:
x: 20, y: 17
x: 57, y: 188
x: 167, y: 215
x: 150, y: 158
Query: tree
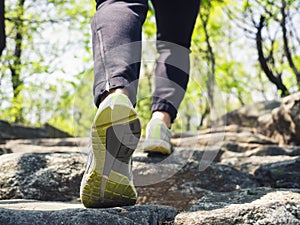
x: 32, y: 52
x: 204, y: 15
x: 276, y: 79
x: 285, y: 16
x: 271, y: 25
x: 2, y: 27
x: 16, y: 62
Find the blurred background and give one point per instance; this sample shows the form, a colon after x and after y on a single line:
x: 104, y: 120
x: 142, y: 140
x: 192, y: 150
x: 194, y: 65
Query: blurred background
x: 242, y: 52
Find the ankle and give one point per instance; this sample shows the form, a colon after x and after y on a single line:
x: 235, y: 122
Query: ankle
x: 117, y: 90
x: 164, y: 116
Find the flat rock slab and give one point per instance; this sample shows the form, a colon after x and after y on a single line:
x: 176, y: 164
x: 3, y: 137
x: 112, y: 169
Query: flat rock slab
x: 177, y: 181
x: 28, y: 212
x: 248, y: 207
x: 285, y: 174
x: 30, y: 204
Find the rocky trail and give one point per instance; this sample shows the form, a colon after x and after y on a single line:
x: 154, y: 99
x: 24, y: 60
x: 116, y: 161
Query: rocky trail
x: 244, y: 171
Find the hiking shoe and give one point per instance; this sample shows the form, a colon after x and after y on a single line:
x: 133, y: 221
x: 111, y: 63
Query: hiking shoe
x: 158, y: 137
x: 115, y: 133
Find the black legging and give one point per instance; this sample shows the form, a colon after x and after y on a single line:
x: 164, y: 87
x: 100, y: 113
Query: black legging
x: 117, y: 28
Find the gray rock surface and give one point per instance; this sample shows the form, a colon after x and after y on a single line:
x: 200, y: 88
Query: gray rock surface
x: 253, y: 163
x: 41, y: 176
x: 250, y: 115
x: 215, y: 176
x: 16, y: 131
x: 260, y: 206
x: 249, y: 159
x: 56, y: 176
x: 284, y: 126
x: 56, y: 213
x: 275, y: 150
x: 284, y: 174
x: 45, y: 145
x: 191, y: 182
x: 249, y: 139
x: 279, y: 120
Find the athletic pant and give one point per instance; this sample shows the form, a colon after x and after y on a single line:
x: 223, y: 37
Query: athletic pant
x: 116, y: 36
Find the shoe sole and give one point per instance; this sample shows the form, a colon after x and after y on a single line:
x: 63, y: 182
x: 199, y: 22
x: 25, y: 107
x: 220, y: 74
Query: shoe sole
x: 109, y: 183
x: 157, y: 146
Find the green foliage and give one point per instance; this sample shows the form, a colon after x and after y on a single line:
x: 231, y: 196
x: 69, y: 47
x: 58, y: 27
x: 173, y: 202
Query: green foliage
x: 149, y: 28
x: 59, y: 91
x: 50, y: 30
x: 145, y: 90
x: 83, y: 109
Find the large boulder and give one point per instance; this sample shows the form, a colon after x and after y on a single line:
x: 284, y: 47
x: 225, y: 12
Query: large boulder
x: 249, y: 115
x: 284, y: 126
x: 42, y: 176
x: 249, y: 206
x: 177, y: 182
x: 185, y: 176
x: 189, y: 184
x: 56, y: 213
x: 278, y: 119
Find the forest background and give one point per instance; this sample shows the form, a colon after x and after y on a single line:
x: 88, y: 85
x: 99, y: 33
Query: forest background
x: 242, y: 51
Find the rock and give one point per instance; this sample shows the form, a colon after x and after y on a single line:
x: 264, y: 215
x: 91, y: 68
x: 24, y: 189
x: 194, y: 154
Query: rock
x: 224, y: 166
x: 17, y: 131
x: 278, y: 119
x: 6, y: 131
x: 42, y: 176
x: 250, y: 115
x: 232, y: 128
x: 179, y: 183
x: 218, y: 139
x: 2, y: 141
x: 252, y: 163
x: 53, y: 132
x: 57, y: 213
x: 47, y: 145
x: 284, y: 126
x: 30, y: 204
x: 274, y: 150
x: 250, y: 160
x: 248, y: 206
x: 5, y: 151
x: 285, y: 174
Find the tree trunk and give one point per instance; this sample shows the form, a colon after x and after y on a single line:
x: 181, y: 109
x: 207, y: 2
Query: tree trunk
x: 16, y: 64
x: 2, y: 27
x: 188, y: 122
x: 203, y: 116
x: 211, y: 59
x: 287, y: 51
x: 263, y: 61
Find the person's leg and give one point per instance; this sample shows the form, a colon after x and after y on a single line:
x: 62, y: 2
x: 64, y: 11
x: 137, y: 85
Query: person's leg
x: 115, y: 132
x: 175, y: 20
x: 116, y: 36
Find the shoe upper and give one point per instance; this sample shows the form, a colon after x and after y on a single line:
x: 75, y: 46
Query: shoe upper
x: 158, y: 137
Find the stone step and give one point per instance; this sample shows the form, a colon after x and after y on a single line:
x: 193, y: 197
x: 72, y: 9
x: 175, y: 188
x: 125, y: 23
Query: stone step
x: 29, y: 212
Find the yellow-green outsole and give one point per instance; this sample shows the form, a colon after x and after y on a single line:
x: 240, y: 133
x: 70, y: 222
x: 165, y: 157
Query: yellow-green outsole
x: 115, y: 194
x: 115, y: 189
x: 158, y: 149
